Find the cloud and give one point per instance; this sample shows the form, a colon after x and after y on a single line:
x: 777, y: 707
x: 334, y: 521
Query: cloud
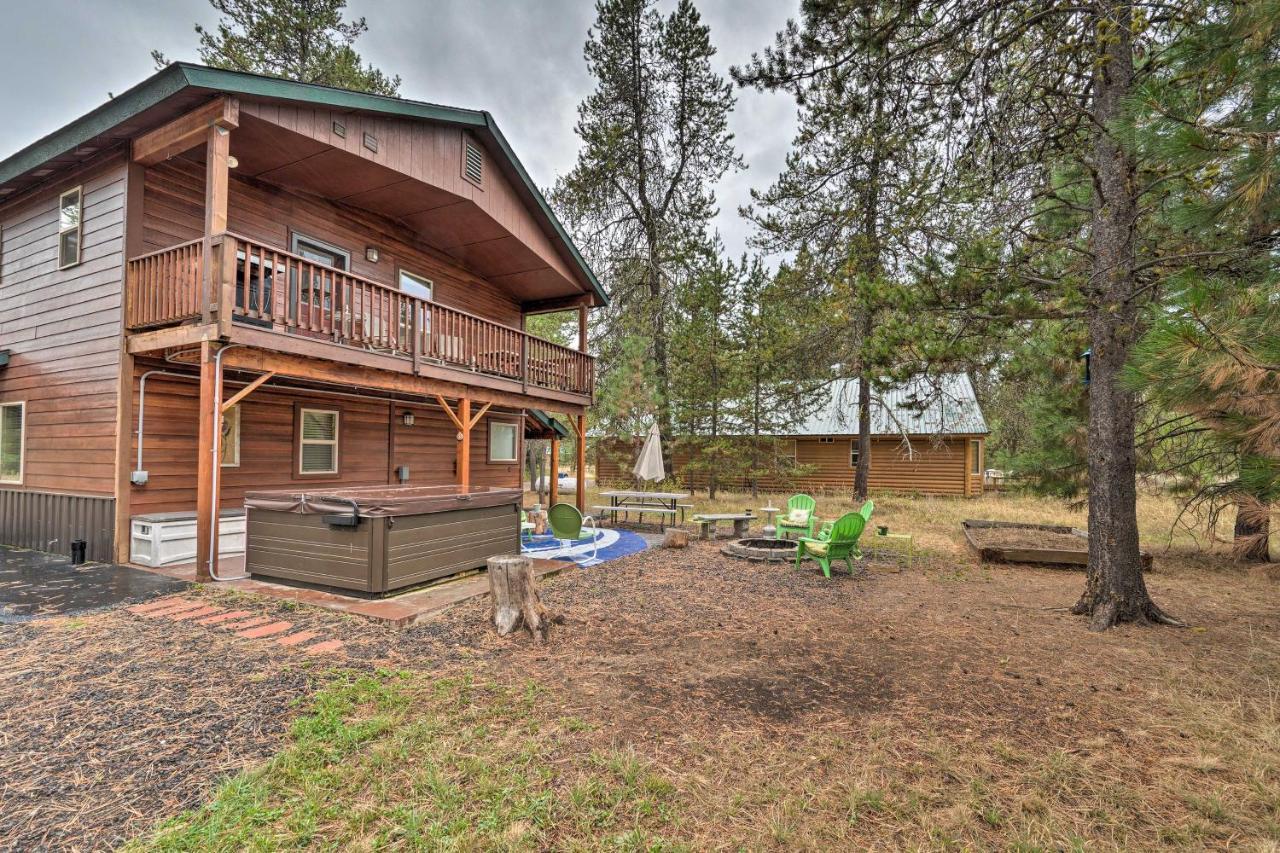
x: 519, y: 59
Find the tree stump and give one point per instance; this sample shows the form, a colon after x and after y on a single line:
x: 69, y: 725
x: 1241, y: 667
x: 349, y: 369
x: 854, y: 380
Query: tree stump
x: 675, y: 538
x: 515, y: 598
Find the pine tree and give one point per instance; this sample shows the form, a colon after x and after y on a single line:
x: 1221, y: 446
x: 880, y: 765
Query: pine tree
x: 858, y: 179
x: 655, y: 143
x: 304, y: 40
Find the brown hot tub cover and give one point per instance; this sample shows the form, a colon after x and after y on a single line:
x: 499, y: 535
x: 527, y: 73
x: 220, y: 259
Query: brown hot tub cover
x: 382, y: 501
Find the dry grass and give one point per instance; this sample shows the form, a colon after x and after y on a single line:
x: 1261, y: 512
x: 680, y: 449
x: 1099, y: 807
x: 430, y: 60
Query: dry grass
x: 695, y: 702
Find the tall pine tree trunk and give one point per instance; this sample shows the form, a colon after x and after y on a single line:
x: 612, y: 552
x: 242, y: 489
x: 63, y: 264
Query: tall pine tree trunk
x: 863, y: 474
x: 1115, y: 590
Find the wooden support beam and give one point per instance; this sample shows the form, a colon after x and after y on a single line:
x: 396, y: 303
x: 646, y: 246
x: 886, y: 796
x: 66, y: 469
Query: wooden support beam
x: 581, y: 474
x: 177, y: 336
x: 210, y: 430
x: 464, y: 443
x: 444, y: 404
x: 557, y: 303
x: 553, y: 485
x: 133, y: 242
x: 186, y: 132
x: 582, y: 329
x: 246, y: 391
x: 480, y: 414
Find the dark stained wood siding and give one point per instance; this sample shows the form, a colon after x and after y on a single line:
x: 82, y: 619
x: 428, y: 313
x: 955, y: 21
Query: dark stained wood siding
x: 62, y: 328
x: 173, y: 213
x: 369, y: 429
x: 931, y: 467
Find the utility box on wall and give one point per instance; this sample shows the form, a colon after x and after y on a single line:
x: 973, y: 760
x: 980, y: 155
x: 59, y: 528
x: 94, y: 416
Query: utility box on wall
x: 169, y: 538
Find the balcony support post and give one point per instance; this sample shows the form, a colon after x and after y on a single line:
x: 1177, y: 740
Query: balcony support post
x: 210, y: 431
x: 216, y: 185
x: 553, y: 484
x: 581, y: 473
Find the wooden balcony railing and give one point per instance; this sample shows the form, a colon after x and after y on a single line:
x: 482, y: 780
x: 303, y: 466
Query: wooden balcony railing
x: 263, y: 286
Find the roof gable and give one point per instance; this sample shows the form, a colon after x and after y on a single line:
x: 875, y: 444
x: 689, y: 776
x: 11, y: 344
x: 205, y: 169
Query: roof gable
x: 180, y: 81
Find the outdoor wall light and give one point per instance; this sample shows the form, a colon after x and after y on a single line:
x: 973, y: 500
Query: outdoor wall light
x: 371, y: 254
x: 407, y: 417
x: 232, y: 162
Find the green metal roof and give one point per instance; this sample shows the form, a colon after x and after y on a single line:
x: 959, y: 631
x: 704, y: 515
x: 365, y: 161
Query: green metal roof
x: 548, y: 422
x: 182, y: 75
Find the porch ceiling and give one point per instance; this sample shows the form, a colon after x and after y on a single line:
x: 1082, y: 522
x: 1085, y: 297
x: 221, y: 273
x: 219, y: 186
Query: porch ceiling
x: 449, y: 223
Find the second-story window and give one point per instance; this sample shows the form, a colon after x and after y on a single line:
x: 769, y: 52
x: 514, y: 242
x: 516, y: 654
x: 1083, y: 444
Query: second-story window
x: 416, y: 285
x: 70, y: 227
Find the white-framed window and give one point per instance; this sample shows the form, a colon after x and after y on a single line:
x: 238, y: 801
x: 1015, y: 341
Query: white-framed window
x: 975, y: 456
x: 229, y: 446
x: 70, y: 227
x: 504, y: 442
x: 827, y: 439
x: 13, y: 422
x: 786, y: 448
x: 317, y: 441
x: 854, y: 455
x: 416, y: 285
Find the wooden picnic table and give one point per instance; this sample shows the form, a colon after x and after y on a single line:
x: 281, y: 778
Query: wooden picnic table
x: 662, y: 504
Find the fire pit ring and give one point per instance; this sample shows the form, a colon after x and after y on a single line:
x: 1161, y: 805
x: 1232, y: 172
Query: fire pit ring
x: 761, y: 550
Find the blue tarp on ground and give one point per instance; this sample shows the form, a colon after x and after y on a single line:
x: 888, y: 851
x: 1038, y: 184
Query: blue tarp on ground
x: 610, y: 544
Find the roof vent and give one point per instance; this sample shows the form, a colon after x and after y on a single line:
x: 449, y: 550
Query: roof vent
x: 473, y: 163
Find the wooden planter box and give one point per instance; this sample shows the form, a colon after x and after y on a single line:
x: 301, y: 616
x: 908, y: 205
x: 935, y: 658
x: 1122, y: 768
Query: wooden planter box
x: 1042, y: 556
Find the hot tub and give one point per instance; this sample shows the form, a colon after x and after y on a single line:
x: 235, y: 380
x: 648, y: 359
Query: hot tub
x: 379, y: 538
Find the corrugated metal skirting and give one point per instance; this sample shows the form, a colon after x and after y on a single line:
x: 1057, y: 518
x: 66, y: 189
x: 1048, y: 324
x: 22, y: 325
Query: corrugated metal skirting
x: 45, y: 521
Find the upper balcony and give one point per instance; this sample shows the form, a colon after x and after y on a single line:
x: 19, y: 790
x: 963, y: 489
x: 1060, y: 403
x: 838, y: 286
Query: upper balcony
x: 250, y: 289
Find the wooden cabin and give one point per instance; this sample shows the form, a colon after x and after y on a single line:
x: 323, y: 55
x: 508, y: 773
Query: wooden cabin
x: 927, y: 437
x: 219, y: 282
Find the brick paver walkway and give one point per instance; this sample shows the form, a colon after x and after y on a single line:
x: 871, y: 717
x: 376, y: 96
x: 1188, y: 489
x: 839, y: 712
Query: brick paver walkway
x: 244, y: 623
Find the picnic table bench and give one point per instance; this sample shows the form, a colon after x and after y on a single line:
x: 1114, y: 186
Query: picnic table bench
x: 662, y: 504
x: 708, y: 523
x: 639, y: 509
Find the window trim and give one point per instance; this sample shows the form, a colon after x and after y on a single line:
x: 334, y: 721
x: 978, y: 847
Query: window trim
x: 794, y: 455
x: 515, y: 430
x: 299, y: 444
x: 975, y: 462
x: 22, y: 441
x: 296, y: 237
x: 420, y: 279
x: 853, y: 454
x: 222, y: 443
x: 78, y: 227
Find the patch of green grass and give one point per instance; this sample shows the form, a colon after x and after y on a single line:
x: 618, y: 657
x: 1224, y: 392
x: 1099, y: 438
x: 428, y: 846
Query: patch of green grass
x: 399, y: 760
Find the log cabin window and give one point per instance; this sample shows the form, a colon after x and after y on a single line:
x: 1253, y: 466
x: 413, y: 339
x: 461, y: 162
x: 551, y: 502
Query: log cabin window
x: 229, y: 446
x: 13, y: 418
x: 503, y: 441
x: 827, y: 439
x: 853, y: 453
x: 70, y: 227
x: 975, y: 454
x: 786, y: 449
x: 317, y: 441
x: 308, y: 286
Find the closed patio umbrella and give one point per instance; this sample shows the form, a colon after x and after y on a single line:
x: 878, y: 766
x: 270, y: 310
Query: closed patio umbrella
x: 649, y: 465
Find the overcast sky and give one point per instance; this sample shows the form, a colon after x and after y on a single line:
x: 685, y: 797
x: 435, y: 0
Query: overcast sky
x: 519, y: 59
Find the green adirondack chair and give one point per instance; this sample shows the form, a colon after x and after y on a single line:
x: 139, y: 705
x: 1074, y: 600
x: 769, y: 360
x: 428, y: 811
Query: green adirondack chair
x: 526, y: 529
x: 798, y: 502
x: 841, y: 543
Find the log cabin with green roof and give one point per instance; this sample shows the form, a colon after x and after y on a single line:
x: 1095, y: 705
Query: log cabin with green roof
x: 305, y: 285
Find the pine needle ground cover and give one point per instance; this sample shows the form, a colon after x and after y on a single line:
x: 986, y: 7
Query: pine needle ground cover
x: 692, y: 701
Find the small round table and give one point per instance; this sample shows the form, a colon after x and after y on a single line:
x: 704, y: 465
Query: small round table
x: 770, y: 529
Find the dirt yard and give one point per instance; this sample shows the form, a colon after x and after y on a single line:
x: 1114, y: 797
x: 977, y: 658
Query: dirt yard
x: 689, y: 701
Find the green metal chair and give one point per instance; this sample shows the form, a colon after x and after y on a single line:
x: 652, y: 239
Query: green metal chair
x: 798, y: 502
x: 566, y: 524
x: 840, y: 543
